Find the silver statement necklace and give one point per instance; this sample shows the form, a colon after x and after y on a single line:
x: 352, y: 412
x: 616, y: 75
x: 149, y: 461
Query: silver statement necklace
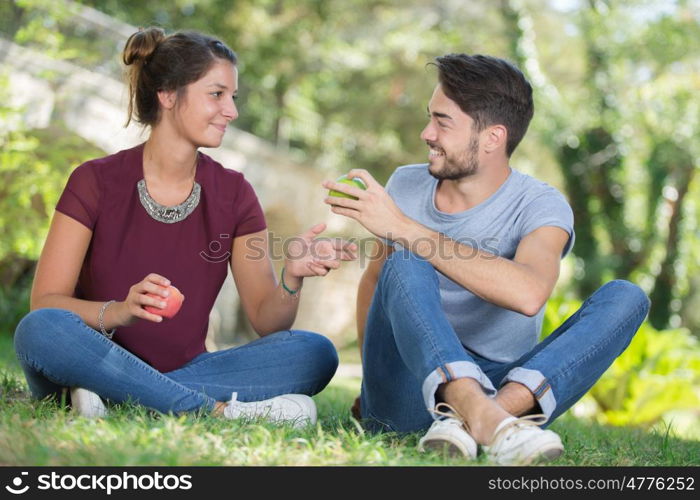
x: 168, y: 215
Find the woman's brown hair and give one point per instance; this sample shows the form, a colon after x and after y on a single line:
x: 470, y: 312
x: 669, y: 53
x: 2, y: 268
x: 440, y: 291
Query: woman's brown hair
x: 156, y: 61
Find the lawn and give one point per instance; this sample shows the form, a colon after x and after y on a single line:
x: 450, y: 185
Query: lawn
x: 33, y: 433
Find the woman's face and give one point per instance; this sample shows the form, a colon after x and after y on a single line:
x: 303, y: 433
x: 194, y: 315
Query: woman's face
x: 207, y: 106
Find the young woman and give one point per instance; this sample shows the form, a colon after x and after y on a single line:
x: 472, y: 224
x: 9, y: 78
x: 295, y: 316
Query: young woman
x: 129, y: 225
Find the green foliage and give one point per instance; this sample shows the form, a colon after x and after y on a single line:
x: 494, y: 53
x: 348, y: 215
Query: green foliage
x: 14, y: 304
x: 655, y: 379
x: 34, y: 166
x: 659, y: 372
x: 629, y: 157
x: 35, y: 23
x: 27, y: 187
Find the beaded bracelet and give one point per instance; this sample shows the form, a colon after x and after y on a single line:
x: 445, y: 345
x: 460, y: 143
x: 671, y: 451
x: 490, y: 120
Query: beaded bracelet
x: 100, y: 319
x: 291, y: 292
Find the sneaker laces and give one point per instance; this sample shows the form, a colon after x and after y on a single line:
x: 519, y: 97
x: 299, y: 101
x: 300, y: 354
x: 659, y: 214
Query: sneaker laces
x: 534, y: 420
x: 266, y: 409
x: 450, y: 414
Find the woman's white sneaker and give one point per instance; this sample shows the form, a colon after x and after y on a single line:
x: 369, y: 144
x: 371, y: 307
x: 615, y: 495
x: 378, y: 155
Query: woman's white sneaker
x: 86, y: 403
x: 296, y: 409
x: 520, y: 441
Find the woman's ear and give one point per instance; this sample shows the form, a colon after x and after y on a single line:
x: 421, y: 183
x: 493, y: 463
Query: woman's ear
x: 496, y: 137
x: 167, y: 98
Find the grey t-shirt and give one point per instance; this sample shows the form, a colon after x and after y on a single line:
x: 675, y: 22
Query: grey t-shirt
x: 521, y: 205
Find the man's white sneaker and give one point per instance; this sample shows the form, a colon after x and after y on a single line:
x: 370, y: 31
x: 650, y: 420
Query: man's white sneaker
x: 297, y: 409
x: 86, y: 403
x: 448, y: 434
x: 520, y: 441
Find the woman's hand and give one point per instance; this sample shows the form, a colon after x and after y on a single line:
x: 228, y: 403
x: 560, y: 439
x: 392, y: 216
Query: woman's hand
x: 307, y: 255
x: 132, y: 308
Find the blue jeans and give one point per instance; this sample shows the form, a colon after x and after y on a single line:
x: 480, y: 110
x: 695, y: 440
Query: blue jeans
x: 410, y: 348
x: 57, y: 349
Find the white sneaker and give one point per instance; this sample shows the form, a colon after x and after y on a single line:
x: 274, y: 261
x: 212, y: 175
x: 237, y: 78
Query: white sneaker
x: 297, y: 409
x: 448, y: 433
x: 86, y: 403
x: 520, y: 441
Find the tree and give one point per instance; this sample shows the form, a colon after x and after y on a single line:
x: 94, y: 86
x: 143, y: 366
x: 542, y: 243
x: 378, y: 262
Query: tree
x: 626, y: 160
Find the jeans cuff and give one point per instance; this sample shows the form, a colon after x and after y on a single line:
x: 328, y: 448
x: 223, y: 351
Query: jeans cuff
x: 452, y: 371
x: 538, y: 385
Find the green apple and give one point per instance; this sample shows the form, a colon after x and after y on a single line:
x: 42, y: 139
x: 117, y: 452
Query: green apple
x: 343, y: 179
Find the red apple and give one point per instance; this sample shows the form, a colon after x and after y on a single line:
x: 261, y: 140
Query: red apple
x: 173, y: 302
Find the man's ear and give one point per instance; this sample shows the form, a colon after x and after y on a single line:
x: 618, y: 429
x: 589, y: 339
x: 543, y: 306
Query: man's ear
x: 495, y: 137
x: 167, y: 98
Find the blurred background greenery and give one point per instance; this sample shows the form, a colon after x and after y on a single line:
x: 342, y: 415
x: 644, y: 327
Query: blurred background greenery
x: 339, y: 84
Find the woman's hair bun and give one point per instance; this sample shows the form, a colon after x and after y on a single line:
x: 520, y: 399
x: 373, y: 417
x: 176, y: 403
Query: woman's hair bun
x: 141, y: 45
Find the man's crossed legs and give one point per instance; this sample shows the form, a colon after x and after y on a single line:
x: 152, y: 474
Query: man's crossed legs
x: 414, y: 363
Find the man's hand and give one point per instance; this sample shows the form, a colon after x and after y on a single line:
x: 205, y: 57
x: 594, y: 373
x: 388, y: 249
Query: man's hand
x: 374, y: 208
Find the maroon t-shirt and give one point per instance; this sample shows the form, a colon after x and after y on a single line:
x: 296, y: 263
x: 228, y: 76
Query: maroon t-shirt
x: 127, y: 244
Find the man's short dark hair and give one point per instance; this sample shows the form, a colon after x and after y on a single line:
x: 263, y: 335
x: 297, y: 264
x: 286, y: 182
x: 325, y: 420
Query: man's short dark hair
x: 490, y: 90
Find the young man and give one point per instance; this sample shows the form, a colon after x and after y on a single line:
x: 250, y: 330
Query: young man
x: 449, y: 313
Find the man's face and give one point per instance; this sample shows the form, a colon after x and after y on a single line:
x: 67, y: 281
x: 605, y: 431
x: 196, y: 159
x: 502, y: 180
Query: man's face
x: 450, y: 135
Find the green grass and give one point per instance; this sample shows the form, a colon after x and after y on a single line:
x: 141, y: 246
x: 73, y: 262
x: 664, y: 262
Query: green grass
x: 42, y: 433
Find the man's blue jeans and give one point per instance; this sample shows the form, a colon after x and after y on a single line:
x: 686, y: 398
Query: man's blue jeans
x: 410, y: 348
x: 57, y: 349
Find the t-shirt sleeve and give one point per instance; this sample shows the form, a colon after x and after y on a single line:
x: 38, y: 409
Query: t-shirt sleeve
x: 249, y: 214
x: 548, y: 209
x: 81, y: 195
x: 390, y: 188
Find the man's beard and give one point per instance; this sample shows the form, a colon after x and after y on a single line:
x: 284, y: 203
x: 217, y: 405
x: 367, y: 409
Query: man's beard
x: 466, y: 165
